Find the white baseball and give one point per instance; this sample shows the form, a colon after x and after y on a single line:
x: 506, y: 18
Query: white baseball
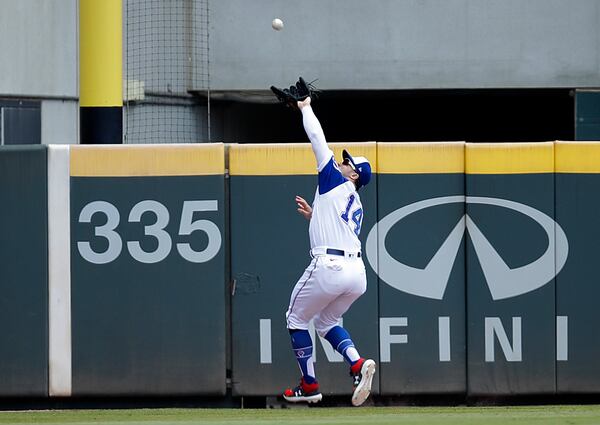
x: 277, y: 24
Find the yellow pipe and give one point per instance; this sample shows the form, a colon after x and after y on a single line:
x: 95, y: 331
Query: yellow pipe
x: 101, y: 53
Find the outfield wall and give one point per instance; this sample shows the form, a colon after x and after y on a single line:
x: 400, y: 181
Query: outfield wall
x: 116, y: 281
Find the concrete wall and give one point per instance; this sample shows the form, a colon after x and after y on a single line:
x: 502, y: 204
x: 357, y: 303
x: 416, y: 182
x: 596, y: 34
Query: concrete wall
x: 60, y: 121
x: 38, y: 41
x: 39, y: 45
x: 391, y: 44
x: 347, y: 44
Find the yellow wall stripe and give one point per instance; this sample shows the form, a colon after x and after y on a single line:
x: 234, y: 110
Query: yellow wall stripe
x: 577, y: 157
x: 101, y: 52
x: 147, y: 160
x: 509, y: 158
x: 421, y: 158
x: 289, y: 158
x: 271, y: 159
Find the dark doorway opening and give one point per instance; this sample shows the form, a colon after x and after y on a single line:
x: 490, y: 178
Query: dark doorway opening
x: 486, y: 115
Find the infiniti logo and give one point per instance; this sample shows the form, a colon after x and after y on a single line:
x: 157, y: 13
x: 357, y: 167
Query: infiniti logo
x: 502, y: 281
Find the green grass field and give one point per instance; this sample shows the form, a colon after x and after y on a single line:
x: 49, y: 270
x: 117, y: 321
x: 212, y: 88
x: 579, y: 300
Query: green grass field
x: 577, y: 415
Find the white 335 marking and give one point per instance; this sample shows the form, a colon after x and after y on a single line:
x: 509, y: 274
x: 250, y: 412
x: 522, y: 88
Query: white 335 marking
x: 156, y: 230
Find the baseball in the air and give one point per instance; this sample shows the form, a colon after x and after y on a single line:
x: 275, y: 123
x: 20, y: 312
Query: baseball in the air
x: 277, y: 24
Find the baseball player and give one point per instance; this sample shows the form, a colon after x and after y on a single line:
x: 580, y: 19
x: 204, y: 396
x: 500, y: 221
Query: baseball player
x: 335, y: 277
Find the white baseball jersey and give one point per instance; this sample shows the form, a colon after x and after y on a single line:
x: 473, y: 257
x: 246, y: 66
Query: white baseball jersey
x: 332, y: 281
x: 337, y: 212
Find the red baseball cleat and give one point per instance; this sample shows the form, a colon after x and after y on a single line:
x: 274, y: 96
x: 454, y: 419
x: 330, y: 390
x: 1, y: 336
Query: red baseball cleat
x: 303, y: 392
x: 362, y: 372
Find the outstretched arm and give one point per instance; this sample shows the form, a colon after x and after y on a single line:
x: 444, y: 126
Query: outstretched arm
x: 313, y: 129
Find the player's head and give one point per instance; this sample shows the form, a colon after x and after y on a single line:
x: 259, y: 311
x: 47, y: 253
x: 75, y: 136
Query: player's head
x: 356, y: 169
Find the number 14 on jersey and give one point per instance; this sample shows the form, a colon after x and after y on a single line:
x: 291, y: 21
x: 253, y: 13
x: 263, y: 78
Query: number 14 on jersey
x: 356, y: 215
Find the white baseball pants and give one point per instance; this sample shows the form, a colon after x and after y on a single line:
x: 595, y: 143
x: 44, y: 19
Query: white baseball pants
x: 326, y: 290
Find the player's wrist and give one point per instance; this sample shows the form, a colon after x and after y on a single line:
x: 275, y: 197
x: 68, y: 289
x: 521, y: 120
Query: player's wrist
x: 304, y: 104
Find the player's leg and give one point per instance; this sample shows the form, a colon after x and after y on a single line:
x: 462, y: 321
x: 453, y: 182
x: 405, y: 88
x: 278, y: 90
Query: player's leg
x: 302, y: 344
x: 307, y: 299
x: 327, y: 325
x: 308, y: 389
x: 362, y: 370
x: 351, y: 280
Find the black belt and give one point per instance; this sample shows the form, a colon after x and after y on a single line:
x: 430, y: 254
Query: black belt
x: 339, y: 252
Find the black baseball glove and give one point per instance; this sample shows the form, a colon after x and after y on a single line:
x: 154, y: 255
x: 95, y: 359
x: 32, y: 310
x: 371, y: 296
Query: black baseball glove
x: 296, y: 93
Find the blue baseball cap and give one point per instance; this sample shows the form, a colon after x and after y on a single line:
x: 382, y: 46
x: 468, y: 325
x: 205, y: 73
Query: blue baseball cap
x: 361, y: 166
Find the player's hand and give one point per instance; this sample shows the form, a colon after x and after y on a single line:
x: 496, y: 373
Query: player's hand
x: 302, y: 104
x: 303, y: 208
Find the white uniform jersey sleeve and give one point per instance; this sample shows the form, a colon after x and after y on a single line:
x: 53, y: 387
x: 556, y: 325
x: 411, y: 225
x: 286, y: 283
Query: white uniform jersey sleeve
x: 315, y: 134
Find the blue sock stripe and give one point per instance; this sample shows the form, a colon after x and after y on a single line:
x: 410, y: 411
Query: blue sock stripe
x: 339, y: 338
x: 345, y: 347
x: 303, y: 353
x: 303, y: 348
